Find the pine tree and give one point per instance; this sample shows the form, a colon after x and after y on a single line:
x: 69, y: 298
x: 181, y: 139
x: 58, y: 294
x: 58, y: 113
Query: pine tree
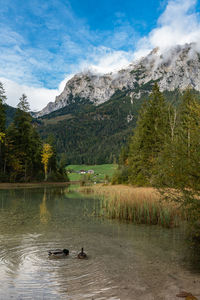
x: 165, y: 167
x: 180, y: 163
x: 12, y: 164
x: 148, y: 139
x: 26, y: 142
x: 189, y: 138
x: 23, y: 104
x: 182, y: 152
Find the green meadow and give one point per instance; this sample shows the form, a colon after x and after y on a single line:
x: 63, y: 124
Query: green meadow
x: 101, y: 172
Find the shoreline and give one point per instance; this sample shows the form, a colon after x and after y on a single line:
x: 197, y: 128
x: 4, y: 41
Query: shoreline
x: 33, y: 184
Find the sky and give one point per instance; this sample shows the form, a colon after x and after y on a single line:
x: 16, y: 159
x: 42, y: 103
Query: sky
x: 44, y: 43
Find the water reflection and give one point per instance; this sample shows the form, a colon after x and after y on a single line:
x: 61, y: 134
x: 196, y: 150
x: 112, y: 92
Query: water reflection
x: 125, y: 261
x: 44, y: 213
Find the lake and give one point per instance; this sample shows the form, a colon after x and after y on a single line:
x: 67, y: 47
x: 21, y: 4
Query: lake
x: 125, y: 261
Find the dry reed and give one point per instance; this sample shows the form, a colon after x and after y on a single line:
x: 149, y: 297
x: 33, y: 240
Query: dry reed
x: 137, y: 205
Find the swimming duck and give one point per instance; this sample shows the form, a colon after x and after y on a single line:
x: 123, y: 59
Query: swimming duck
x: 82, y: 254
x: 59, y: 253
x: 186, y: 295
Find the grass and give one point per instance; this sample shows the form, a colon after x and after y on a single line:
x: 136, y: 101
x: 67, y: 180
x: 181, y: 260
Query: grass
x: 57, y: 119
x: 137, y: 205
x: 100, y: 172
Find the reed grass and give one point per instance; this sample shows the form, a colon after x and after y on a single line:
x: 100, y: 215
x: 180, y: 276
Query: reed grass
x: 137, y: 205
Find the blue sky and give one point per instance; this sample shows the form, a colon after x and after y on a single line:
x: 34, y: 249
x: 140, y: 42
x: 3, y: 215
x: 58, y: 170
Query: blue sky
x: 43, y: 43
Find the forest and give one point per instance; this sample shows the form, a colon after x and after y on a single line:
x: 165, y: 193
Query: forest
x: 24, y: 157
x: 164, y: 152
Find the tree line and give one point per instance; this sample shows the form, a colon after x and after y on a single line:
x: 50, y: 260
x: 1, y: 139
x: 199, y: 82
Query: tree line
x: 164, y: 151
x: 24, y: 157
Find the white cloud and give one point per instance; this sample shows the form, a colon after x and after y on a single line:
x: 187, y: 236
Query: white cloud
x: 105, y: 60
x: 63, y: 83
x: 38, y: 97
x: 178, y: 24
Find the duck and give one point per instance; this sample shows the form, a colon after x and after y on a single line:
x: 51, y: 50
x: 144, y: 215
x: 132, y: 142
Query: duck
x: 186, y: 295
x: 82, y: 254
x: 58, y: 253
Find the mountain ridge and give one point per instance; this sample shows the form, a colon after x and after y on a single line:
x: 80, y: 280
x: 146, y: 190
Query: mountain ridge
x: 176, y: 67
x: 92, y: 131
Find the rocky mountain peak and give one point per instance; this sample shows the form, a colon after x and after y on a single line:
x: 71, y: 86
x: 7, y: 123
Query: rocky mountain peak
x: 176, y: 67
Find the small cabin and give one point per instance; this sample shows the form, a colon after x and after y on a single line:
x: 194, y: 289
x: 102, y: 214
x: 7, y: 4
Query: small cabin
x: 82, y: 172
x: 90, y: 171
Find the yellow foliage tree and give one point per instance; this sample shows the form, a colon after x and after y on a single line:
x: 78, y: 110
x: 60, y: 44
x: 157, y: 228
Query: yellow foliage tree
x: 2, y: 137
x: 47, y: 153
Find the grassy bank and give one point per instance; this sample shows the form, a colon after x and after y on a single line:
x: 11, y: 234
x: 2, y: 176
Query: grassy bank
x: 137, y: 205
x: 101, y: 172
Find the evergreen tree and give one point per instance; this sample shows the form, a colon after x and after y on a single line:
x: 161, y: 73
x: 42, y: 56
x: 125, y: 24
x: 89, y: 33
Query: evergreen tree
x: 26, y: 142
x: 179, y: 163
x: 188, y: 139
x: 56, y: 168
x: 165, y: 167
x: 12, y: 160
x: 121, y: 174
x: 148, y: 139
x: 53, y: 159
x: 23, y: 104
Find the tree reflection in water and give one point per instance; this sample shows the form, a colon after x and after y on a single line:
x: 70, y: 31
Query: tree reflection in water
x: 44, y: 213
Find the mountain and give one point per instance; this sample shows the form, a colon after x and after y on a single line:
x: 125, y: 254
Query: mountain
x: 95, y: 115
x: 177, y: 67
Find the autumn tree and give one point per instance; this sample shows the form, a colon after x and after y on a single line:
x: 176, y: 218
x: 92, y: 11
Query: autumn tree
x: 47, y: 153
x: 2, y: 137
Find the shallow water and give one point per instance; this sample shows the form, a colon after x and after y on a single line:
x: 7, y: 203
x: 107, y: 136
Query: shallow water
x: 125, y: 261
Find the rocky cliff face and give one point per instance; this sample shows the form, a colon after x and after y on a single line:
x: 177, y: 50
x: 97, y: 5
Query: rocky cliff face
x: 177, y: 67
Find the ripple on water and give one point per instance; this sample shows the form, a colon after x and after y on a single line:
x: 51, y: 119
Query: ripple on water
x: 124, y: 262
x: 26, y: 263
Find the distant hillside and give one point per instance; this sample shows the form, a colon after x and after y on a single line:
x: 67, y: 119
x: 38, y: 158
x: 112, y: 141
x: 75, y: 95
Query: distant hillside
x: 94, y: 135
x: 10, y: 112
x: 90, y: 134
